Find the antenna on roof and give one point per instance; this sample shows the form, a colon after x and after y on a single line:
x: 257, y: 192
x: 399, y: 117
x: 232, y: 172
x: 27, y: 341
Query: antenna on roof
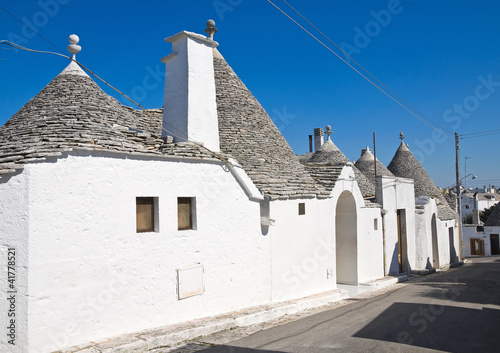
x: 211, y: 29
x: 73, y: 48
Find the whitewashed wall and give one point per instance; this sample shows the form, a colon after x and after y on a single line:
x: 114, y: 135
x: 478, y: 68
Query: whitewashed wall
x: 303, y: 248
x: 425, y: 207
x: 14, y: 231
x: 92, y: 276
x: 369, y: 242
x: 394, y: 194
x: 470, y: 232
x: 424, y: 252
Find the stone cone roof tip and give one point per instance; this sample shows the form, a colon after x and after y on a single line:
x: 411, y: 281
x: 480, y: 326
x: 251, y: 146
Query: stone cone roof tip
x: 74, y: 69
x: 365, y: 164
x: 405, y: 165
x: 494, y: 218
x: 73, y: 112
x: 334, y: 159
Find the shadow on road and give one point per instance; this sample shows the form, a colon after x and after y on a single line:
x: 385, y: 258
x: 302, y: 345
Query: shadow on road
x: 471, y: 288
x: 435, y: 326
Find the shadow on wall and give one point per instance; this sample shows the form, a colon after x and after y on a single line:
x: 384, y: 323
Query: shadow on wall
x: 428, y: 266
x: 435, y: 326
x: 394, y: 267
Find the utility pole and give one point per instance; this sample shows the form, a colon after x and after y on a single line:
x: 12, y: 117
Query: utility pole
x: 459, y: 197
x: 374, y: 157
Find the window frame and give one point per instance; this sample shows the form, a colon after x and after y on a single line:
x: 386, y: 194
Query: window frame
x: 191, y: 213
x: 154, y: 219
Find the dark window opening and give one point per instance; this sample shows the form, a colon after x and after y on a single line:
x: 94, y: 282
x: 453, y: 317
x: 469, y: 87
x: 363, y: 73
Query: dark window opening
x: 145, y: 214
x: 185, y: 213
x: 302, y: 208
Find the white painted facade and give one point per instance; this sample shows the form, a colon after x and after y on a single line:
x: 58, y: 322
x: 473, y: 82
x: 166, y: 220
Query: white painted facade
x: 88, y: 268
x: 397, y: 196
x: 474, y: 204
x: 436, y: 240
x: 359, y: 246
x: 484, y: 234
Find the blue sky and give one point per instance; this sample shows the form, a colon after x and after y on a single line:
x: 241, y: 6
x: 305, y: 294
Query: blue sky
x: 443, y: 57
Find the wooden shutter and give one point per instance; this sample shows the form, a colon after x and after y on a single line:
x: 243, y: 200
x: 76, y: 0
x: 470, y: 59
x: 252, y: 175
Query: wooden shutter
x: 145, y: 214
x: 184, y: 215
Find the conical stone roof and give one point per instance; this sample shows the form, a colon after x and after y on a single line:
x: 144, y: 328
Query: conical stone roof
x: 333, y: 157
x: 494, y: 218
x: 247, y: 133
x: 366, y: 165
x: 405, y: 165
x: 72, y: 112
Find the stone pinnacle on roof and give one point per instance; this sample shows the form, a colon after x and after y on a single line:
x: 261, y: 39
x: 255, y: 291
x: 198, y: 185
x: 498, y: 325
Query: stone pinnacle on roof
x: 211, y: 30
x: 73, y: 47
x: 405, y: 165
x: 329, y: 146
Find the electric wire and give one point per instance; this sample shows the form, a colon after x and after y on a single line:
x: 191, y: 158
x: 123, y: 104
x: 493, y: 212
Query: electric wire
x: 357, y: 71
x: 490, y: 134
x: 24, y: 24
x: 17, y: 46
x: 480, y: 132
x: 366, y: 71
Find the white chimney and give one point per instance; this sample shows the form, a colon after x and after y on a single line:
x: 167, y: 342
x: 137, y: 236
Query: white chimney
x: 318, y: 138
x: 190, y: 109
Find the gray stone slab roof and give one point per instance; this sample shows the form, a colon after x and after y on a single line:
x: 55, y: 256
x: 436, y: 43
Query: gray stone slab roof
x: 72, y: 112
x: 337, y: 158
x: 366, y: 165
x: 326, y: 175
x: 247, y: 133
x: 405, y: 165
x: 494, y: 218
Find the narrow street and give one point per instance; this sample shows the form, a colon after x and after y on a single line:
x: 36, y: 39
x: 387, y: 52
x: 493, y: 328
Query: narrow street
x: 453, y: 311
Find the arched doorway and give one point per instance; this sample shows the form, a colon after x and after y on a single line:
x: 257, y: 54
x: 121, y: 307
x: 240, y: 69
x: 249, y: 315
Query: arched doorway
x: 346, y: 239
x: 435, y: 251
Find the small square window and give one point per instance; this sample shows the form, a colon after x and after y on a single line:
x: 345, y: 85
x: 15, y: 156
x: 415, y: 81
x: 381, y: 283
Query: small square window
x: 186, y: 213
x: 302, y: 208
x: 146, y: 214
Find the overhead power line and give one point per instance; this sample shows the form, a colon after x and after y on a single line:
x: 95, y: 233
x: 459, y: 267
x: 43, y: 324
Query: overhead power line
x: 185, y: 137
x: 475, y: 134
x: 361, y: 74
x: 25, y: 25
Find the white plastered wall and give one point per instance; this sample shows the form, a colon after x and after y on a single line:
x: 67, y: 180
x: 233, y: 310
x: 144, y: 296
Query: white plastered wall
x: 92, y: 276
x: 397, y: 194
x: 425, y: 209
x: 369, y: 242
x: 471, y: 232
x: 303, y: 248
x: 14, y: 233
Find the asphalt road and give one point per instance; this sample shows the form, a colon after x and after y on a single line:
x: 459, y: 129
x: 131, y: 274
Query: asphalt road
x: 453, y: 311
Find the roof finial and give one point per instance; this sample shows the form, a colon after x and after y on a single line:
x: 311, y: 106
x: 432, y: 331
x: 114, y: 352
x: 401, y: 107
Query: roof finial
x: 211, y: 29
x: 401, y: 136
x: 328, y: 131
x: 73, y: 48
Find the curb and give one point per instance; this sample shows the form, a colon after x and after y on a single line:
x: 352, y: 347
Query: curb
x: 174, y: 334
